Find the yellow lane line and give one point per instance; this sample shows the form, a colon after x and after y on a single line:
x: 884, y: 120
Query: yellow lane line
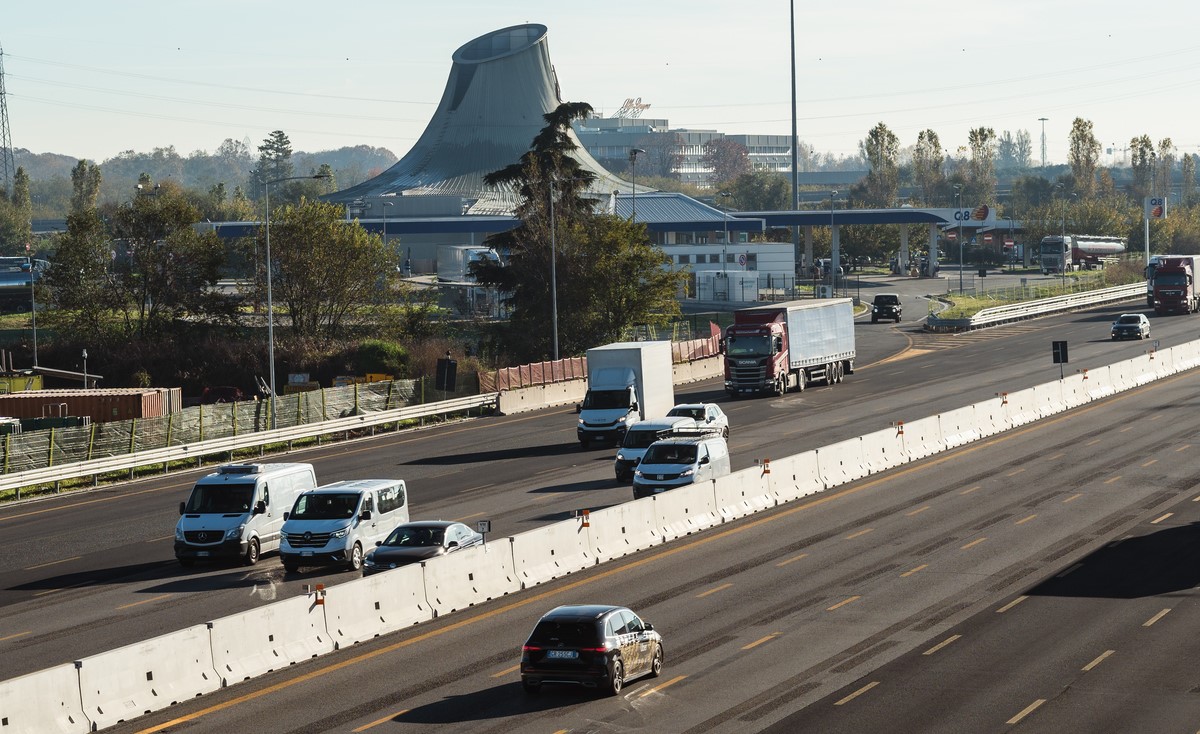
x: 916, y: 511
x: 506, y: 671
x: 972, y: 489
x: 922, y: 567
x: 1155, y: 618
x: 1015, y: 473
x: 1126, y: 428
x: 844, y: 602
x: 160, y: 597
x: 1098, y: 660
x: 859, y: 534
x: 941, y: 644
x: 377, y: 722
x: 1148, y: 463
x: 722, y: 587
x: 973, y: 543
x: 13, y: 637
x: 793, y: 559
x: 761, y: 640
x: 857, y: 693
x: 1026, y: 711
x: 1024, y: 520
x: 473, y: 514
x: 51, y: 563
x: 1114, y: 479
x: 1011, y: 604
x: 1093, y: 442
x: 1157, y: 520
x: 658, y: 688
x: 1073, y: 497
x: 1184, y: 447
x: 1056, y: 456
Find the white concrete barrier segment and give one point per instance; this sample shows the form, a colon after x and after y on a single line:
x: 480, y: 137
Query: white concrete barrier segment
x: 744, y: 492
x: 1074, y: 391
x: 686, y: 510
x: 1097, y: 383
x: 552, y: 551
x: 990, y: 416
x: 1048, y: 399
x: 922, y: 437
x: 268, y: 638
x: 959, y: 427
x: 1143, y: 370
x: 883, y: 450
x: 470, y: 576
x: 841, y: 462
x: 45, y: 702
x: 376, y: 605
x: 138, y: 679
x: 623, y: 529
x: 793, y: 477
x: 1120, y: 376
x: 1022, y: 407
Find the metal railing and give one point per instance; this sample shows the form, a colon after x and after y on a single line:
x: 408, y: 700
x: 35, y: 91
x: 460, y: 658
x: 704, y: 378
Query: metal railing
x: 994, y: 315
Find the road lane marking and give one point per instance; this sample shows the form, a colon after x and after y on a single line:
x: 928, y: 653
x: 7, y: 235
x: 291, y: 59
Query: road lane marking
x: 658, y: 688
x: 1098, y: 660
x: 13, y: 637
x: 506, y: 671
x: 1056, y: 456
x: 475, y: 489
x: 859, y: 534
x: 1156, y: 617
x: 1073, y: 497
x: 473, y: 514
x: 857, y: 693
x: 908, y: 573
x: 722, y: 587
x: 1026, y: 711
x: 1157, y: 520
x: 1126, y: 428
x: 160, y: 597
x: 1024, y: 520
x: 1148, y: 463
x: 1070, y: 570
x: 761, y: 640
x: 1114, y: 479
x: 1015, y: 473
x: 1093, y: 442
x: 941, y: 644
x: 973, y: 543
x: 1011, y: 604
x: 917, y: 511
x: 160, y: 539
x: 51, y: 563
x: 972, y: 489
x: 793, y: 559
x: 844, y: 602
x: 1184, y: 447
x: 377, y: 722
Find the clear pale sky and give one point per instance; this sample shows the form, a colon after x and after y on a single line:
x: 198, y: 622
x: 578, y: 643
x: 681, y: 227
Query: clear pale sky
x: 91, y: 79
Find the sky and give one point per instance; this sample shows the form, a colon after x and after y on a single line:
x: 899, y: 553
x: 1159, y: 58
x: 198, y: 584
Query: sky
x: 92, y: 80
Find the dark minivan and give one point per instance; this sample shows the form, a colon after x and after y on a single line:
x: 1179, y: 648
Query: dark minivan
x: 593, y: 645
x: 886, y: 306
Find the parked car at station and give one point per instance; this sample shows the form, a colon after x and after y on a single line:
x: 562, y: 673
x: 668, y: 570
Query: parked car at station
x: 592, y: 645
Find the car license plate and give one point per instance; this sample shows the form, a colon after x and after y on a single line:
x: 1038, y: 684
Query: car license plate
x: 306, y: 553
x: 562, y: 654
x: 202, y: 554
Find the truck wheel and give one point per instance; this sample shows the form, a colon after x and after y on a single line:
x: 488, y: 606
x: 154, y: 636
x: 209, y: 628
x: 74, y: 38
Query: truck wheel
x: 251, y: 556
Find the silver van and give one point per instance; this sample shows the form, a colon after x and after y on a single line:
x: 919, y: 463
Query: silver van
x: 680, y: 461
x: 238, y: 510
x: 639, y: 437
x: 336, y: 524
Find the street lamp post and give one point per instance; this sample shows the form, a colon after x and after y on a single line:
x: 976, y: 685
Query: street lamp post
x: 832, y: 246
x: 633, y: 154
x: 958, y: 216
x: 85, y: 369
x: 270, y: 301
x: 725, y: 243
x: 553, y: 273
x: 385, y: 205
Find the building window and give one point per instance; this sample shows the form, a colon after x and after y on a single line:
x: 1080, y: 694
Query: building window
x: 714, y: 258
x: 684, y: 259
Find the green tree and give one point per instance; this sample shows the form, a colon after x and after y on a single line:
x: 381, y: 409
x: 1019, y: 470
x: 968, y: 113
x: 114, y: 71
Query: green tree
x: 761, y: 191
x: 928, y: 167
x: 77, y: 283
x: 1141, y: 162
x: 1083, y: 156
x: 1166, y: 162
x: 274, y: 162
x: 85, y: 186
x: 21, y: 236
x: 727, y: 159
x: 324, y: 268
x: 1187, y: 184
x: 882, y: 151
x: 981, y: 180
x: 609, y: 278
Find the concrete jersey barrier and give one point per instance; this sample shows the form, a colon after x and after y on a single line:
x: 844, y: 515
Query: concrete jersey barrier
x: 552, y: 551
x: 268, y: 638
x: 375, y: 605
x: 45, y: 702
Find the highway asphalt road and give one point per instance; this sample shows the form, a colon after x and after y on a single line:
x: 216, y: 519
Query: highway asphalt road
x: 1039, y: 580
x: 90, y: 572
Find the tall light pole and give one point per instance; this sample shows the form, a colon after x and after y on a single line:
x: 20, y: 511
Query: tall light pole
x: 795, y: 147
x: 633, y: 154
x: 270, y: 301
x: 1043, y: 121
x: 553, y: 273
x: 958, y: 216
x: 832, y: 245
x: 385, y: 205
x: 725, y: 243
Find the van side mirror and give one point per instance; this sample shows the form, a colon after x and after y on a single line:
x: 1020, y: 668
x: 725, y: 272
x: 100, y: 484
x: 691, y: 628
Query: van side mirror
x: 703, y: 460
x: 286, y: 515
x: 378, y: 543
x: 260, y: 507
x: 182, y: 505
x: 647, y: 626
x: 366, y: 515
x: 578, y: 408
x: 452, y: 544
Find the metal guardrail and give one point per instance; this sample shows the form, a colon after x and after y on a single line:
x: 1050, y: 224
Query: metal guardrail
x: 1019, y: 311
x: 200, y: 449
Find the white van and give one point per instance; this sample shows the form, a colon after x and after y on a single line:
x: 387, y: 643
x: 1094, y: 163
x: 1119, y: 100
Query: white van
x: 639, y: 437
x: 676, y: 462
x: 336, y: 524
x: 238, y: 510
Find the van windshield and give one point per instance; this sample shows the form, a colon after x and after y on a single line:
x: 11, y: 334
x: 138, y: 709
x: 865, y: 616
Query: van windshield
x: 220, y: 498
x: 338, y: 506
x: 606, y: 399
x: 670, y: 453
x: 639, y: 439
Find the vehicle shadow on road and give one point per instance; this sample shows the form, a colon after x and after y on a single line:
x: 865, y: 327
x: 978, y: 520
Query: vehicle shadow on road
x: 173, y: 576
x: 480, y: 457
x: 1163, y: 562
x: 502, y: 701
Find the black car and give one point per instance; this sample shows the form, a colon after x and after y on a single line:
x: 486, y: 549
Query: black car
x: 886, y: 306
x: 592, y: 645
x: 414, y: 542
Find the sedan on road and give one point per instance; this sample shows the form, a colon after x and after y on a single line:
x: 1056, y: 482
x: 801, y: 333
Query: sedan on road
x: 593, y: 645
x: 706, y: 415
x: 1131, y: 326
x: 414, y: 542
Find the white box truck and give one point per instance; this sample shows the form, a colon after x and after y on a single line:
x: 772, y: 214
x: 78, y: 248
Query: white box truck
x: 785, y: 346
x: 454, y: 261
x: 627, y: 382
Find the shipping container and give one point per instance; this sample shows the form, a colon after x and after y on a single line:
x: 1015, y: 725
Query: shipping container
x: 104, y: 404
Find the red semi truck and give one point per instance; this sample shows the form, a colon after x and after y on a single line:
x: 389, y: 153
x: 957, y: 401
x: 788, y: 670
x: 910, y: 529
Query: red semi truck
x: 1174, y: 284
x: 785, y: 346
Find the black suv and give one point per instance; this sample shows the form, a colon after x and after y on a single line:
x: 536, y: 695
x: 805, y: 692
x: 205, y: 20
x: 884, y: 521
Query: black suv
x: 592, y: 645
x: 886, y: 306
